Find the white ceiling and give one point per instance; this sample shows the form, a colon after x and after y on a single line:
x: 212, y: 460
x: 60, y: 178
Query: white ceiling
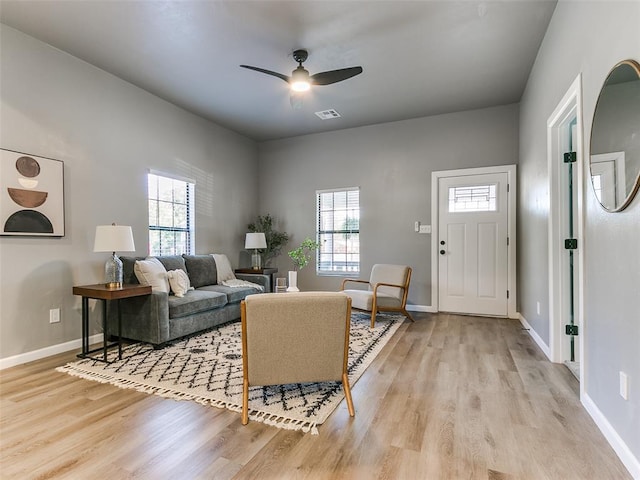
x: 420, y: 58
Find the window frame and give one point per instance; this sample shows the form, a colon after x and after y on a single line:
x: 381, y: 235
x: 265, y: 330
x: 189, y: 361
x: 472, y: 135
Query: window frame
x: 320, y: 232
x: 190, y: 207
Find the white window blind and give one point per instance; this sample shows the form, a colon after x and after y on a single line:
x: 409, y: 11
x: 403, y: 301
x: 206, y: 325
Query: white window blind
x: 338, y: 231
x: 171, y: 229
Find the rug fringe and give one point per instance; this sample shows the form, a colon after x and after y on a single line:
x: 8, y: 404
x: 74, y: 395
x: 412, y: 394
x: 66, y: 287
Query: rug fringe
x: 255, y: 415
x: 133, y: 385
x: 284, y: 423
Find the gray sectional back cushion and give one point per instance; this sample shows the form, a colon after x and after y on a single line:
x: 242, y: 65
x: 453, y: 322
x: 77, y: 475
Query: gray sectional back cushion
x: 201, y: 269
x: 128, y: 275
x: 170, y: 262
x: 173, y: 262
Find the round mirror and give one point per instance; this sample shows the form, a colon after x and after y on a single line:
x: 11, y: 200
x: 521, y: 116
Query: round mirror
x: 615, y: 138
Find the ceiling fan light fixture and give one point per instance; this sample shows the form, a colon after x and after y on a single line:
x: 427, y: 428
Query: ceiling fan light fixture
x: 300, y: 86
x: 300, y: 80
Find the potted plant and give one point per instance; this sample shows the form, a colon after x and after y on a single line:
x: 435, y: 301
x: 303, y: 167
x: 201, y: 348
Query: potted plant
x: 275, y: 239
x: 300, y: 257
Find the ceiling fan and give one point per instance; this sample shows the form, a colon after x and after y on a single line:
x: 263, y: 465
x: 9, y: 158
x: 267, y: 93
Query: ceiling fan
x: 301, y: 81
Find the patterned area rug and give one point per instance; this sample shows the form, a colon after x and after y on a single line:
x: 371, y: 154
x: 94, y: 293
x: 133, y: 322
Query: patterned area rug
x: 207, y: 368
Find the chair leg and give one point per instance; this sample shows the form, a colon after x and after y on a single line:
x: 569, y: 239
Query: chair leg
x: 374, y: 312
x: 245, y: 401
x: 347, y: 394
x: 404, y: 310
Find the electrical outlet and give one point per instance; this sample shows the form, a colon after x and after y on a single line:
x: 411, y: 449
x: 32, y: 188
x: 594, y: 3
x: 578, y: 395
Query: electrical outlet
x: 624, y: 386
x: 54, y: 315
x: 425, y: 228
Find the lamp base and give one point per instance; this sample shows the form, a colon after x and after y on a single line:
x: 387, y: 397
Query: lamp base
x: 256, y: 260
x: 113, y: 272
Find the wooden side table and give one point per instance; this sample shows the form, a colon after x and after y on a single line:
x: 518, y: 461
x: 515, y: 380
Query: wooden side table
x: 260, y: 271
x: 101, y: 292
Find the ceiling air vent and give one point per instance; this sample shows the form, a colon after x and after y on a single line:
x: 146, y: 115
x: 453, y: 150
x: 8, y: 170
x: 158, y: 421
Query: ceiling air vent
x: 327, y: 114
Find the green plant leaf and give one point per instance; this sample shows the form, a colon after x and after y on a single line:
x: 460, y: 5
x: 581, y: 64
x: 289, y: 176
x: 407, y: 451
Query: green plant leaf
x: 275, y: 239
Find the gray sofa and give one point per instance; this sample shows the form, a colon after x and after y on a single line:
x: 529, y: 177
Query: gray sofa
x: 161, y: 317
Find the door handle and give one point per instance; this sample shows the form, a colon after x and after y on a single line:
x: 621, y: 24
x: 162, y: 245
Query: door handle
x: 442, y: 252
x: 441, y: 242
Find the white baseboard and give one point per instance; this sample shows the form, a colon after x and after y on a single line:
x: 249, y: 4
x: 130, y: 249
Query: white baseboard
x: 622, y: 450
x: 46, y: 352
x: 421, y: 308
x: 536, y: 338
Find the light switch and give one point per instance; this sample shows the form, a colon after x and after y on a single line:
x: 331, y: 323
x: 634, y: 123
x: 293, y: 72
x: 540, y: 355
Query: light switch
x: 425, y: 228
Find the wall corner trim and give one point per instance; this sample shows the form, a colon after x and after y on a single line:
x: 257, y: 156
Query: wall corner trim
x: 536, y: 338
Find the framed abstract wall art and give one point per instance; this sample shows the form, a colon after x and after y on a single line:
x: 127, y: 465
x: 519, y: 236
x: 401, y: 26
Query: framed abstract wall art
x: 31, y: 195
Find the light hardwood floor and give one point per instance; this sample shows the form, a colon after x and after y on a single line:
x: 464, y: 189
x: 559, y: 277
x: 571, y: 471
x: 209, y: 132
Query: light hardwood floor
x: 450, y: 397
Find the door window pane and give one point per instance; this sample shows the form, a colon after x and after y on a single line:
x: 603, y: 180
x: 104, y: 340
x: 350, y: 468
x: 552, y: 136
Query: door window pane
x: 477, y: 198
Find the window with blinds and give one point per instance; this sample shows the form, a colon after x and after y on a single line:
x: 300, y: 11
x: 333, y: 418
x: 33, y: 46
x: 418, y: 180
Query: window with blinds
x: 171, y: 226
x: 338, y: 231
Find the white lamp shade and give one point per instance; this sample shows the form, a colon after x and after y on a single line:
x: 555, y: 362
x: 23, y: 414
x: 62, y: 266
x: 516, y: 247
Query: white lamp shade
x: 255, y: 240
x: 113, y: 238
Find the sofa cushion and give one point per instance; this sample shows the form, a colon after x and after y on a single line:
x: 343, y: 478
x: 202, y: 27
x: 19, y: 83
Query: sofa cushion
x: 173, y: 262
x: 201, y: 270
x: 233, y: 294
x: 195, y: 301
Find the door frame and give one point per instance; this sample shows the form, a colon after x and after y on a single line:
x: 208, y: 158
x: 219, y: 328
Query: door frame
x: 570, y: 106
x: 511, y: 171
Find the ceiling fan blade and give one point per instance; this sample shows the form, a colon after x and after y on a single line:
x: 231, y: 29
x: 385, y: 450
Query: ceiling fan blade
x: 333, y: 76
x: 268, y: 72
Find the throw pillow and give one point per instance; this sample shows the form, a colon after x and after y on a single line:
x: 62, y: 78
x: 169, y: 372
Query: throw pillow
x: 151, y: 272
x: 179, y: 282
x: 223, y: 266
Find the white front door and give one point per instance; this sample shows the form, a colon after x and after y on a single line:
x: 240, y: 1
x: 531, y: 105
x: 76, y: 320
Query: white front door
x: 473, y: 244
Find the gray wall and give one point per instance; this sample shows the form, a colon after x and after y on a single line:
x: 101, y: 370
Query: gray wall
x: 392, y: 165
x: 108, y: 133
x: 587, y: 37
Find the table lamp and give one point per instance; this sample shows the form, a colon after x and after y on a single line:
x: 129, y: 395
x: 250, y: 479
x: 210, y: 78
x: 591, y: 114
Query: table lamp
x: 255, y: 241
x: 113, y: 238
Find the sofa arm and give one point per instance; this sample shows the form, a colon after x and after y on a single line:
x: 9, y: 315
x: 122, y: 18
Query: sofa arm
x: 260, y: 279
x: 145, y: 319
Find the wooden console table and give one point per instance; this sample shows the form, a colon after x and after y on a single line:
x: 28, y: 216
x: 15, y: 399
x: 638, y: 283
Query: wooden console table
x: 101, y: 292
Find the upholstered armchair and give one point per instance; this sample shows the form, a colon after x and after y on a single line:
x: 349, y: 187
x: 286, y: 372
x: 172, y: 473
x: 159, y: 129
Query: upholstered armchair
x: 387, y: 290
x: 295, y: 338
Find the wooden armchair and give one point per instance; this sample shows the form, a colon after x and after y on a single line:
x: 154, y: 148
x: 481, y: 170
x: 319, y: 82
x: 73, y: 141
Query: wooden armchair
x: 295, y: 338
x: 388, y: 287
